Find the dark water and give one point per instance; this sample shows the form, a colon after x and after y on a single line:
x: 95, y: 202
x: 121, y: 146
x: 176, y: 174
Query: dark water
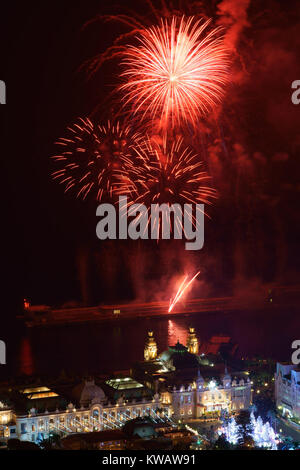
x: 112, y: 346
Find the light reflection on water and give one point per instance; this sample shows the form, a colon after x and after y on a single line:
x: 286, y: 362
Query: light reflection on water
x: 176, y: 332
x: 96, y: 348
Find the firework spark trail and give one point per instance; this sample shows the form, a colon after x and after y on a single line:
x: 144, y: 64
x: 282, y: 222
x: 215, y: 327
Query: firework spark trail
x: 179, y: 290
x: 177, y: 73
x: 91, y: 155
x: 183, y: 287
x: 168, y: 173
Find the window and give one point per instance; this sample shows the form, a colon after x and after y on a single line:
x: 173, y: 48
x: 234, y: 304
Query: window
x: 23, y: 428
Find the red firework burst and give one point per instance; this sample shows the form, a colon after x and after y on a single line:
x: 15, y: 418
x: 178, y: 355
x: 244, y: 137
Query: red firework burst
x: 165, y: 174
x: 178, y: 71
x: 91, y: 155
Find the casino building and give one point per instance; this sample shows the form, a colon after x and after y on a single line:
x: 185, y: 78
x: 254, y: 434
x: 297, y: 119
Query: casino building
x: 193, y: 385
x: 178, y: 384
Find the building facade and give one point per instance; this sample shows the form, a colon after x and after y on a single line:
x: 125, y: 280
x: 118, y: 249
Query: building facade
x: 95, y: 413
x: 287, y: 390
x: 202, y: 397
x: 194, y: 385
x: 178, y: 384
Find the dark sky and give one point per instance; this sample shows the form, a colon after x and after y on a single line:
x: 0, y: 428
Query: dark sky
x: 50, y: 243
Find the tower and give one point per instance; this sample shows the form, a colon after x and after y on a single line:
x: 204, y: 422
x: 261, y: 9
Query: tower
x: 150, y: 351
x: 192, y: 342
x: 226, y: 378
x: 199, y: 390
x: 199, y: 381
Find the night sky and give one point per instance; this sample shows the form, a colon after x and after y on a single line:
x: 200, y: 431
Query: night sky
x: 50, y: 252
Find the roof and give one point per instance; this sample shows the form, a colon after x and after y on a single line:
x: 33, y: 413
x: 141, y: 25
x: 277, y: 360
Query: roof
x: 179, y: 357
x: 123, y: 383
x: 88, y: 391
x: 218, y: 344
x: 95, y: 437
x: 38, y: 392
x: 141, y: 426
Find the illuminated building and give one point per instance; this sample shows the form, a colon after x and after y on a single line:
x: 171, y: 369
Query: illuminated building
x: 287, y: 390
x: 7, y: 421
x: 196, y: 385
x: 174, y: 385
x: 207, y: 395
x: 192, y: 342
x: 92, y: 409
x: 150, y: 351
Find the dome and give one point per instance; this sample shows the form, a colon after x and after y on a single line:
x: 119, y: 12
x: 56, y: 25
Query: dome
x: 178, y: 357
x: 88, y: 392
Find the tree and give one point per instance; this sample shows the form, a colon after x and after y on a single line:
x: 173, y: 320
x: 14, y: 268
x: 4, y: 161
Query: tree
x: 245, y: 429
x: 16, y: 444
x: 222, y: 444
x: 53, y: 442
x: 232, y: 431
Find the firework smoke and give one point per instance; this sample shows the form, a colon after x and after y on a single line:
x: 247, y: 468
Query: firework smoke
x: 233, y: 15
